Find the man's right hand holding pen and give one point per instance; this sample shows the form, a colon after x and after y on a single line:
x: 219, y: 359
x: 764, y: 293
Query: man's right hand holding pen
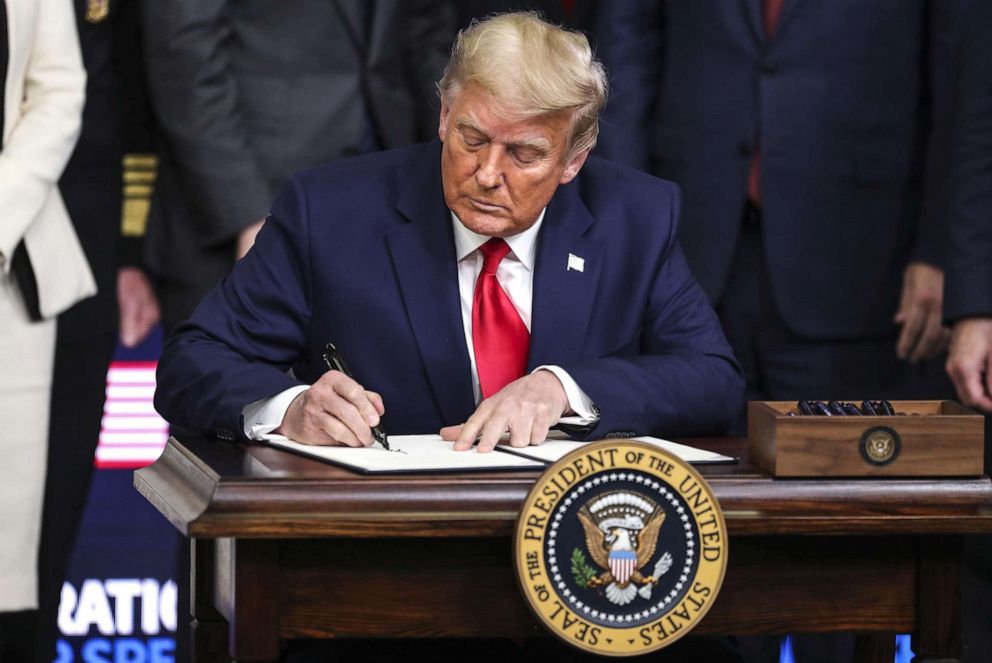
x: 335, y: 410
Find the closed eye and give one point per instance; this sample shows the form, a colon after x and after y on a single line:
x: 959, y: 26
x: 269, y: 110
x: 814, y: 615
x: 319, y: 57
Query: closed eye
x: 472, y: 137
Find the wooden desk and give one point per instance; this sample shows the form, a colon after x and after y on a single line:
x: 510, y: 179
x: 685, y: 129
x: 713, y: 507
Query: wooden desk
x: 286, y: 547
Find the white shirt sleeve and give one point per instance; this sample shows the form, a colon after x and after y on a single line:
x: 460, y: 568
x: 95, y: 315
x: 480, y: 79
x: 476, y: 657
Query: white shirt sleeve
x: 585, y: 410
x: 265, y: 415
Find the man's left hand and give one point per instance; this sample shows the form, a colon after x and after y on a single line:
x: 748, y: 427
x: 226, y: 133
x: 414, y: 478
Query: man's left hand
x: 138, y: 306
x: 526, y: 408
x: 970, y: 362
x: 919, y: 314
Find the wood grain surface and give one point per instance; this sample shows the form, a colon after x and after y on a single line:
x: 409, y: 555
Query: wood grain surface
x: 208, y: 488
x: 285, y: 547
x: 936, y: 439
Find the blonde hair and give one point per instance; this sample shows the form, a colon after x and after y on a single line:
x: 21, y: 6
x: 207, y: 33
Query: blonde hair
x: 530, y: 67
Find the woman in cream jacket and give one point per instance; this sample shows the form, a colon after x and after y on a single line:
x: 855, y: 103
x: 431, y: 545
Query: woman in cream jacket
x: 43, y: 94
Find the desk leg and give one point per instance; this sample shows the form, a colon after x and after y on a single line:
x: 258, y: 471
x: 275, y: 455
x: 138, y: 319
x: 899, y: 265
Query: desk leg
x: 875, y: 648
x: 938, y: 635
x: 209, y: 630
x: 251, y: 595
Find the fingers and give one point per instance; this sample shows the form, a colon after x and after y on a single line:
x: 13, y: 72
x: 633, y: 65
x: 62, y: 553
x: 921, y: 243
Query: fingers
x: 932, y: 340
x: 139, y: 310
x: 492, y: 432
x: 920, y: 311
x: 335, y: 410
x: 129, y: 327
x: 972, y: 385
x: 986, y: 401
x: 376, y: 401
x: 470, y: 430
x: 914, y: 319
x: 137, y: 322
x: 353, y: 424
x: 331, y: 430
x: 451, y: 433
x: 969, y: 363
x: 521, y: 413
x: 345, y: 392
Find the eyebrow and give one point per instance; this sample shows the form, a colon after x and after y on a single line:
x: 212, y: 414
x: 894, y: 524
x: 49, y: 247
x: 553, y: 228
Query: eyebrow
x: 537, y: 143
x: 466, y: 123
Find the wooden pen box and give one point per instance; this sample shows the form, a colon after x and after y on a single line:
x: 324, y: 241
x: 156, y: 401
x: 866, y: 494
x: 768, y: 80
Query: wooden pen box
x: 932, y: 438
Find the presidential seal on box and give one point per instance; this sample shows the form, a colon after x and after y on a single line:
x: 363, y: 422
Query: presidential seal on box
x: 620, y: 548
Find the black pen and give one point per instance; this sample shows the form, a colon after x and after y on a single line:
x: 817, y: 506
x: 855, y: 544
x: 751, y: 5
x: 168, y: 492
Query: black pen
x: 335, y: 362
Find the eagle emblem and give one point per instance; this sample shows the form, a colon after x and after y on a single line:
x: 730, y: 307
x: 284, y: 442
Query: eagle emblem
x: 621, y: 534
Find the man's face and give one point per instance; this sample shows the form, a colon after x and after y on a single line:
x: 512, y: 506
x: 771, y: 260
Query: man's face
x: 499, y: 173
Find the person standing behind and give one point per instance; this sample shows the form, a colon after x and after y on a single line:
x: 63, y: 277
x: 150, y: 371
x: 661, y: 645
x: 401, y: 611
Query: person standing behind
x: 92, y: 189
x: 969, y: 264
x: 809, y: 139
x: 43, y: 271
x: 969, y: 294
x: 248, y: 92
x: 572, y: 14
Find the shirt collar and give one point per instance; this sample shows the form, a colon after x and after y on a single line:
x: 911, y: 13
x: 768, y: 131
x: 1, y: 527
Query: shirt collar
x: 523, y: 245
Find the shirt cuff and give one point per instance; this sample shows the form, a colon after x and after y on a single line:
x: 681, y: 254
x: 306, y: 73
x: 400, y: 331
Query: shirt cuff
x: 585, y: 410
x: 266, y: 414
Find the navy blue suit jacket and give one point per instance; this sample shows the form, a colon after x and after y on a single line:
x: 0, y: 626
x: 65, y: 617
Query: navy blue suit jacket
x: 847, y: 102
x: 969, y: 260
x: 361, y: 253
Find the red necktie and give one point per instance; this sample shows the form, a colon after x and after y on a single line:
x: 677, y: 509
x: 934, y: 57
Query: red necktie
x: 500, y: 338
x: 772, y: 9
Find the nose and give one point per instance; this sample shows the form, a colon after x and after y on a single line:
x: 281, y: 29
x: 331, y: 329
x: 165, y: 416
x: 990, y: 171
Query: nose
x: 489, y: 173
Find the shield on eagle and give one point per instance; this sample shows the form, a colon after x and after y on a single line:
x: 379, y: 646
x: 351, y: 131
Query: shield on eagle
x: 622, y: 565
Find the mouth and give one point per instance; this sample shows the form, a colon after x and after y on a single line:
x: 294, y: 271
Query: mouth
x: 485, y: 207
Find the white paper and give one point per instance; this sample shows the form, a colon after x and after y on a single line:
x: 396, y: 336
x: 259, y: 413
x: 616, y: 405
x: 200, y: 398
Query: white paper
x: 408, y: 453
x: 553, y: 450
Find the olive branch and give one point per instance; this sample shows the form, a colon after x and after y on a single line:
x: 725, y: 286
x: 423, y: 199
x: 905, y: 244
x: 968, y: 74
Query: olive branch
x: 581, y: 571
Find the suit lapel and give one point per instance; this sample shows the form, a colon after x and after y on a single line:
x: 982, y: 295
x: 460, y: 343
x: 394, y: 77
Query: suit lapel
x: 565, y: 280
x: 423, y: 253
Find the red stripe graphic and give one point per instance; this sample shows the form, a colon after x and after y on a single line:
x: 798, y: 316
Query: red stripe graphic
x: 132, y: 434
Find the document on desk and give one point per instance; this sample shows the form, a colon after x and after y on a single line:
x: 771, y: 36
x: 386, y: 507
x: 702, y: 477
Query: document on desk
x: 553, y: 450
x: 429, y: 453
x: 408, y: 453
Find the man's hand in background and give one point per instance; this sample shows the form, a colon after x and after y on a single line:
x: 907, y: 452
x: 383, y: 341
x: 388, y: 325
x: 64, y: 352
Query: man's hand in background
x: 970, y: 362
x: 920, y: 308
x: 138, y: 306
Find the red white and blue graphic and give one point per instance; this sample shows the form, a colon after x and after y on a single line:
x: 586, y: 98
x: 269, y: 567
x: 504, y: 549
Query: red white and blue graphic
x: 133, y: 434
x: 119, y: 602
x: 622, y: 564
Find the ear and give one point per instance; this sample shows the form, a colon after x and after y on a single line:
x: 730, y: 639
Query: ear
x: 442, y: 125
x: 573, y: 167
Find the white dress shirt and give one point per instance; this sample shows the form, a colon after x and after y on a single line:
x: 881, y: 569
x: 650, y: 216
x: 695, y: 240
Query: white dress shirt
x: 515, y: 275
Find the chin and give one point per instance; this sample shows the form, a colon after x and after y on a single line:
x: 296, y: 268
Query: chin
x: 484, y: 224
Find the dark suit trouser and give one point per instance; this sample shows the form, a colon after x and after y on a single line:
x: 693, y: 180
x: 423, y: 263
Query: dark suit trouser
x: 78, y: 392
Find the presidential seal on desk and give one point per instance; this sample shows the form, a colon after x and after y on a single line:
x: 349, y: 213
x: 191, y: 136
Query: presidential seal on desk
x: 620, y: 548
